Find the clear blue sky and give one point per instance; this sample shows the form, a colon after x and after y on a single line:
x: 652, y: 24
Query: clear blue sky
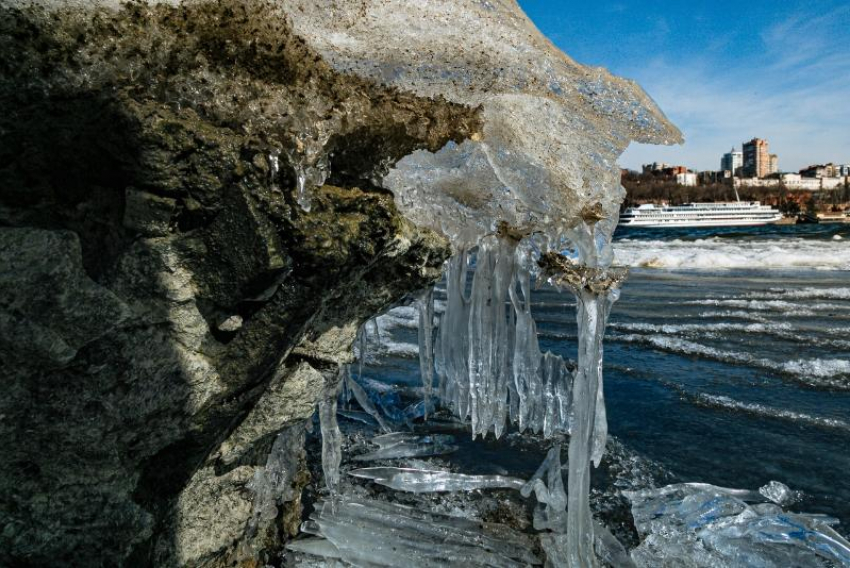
x: 722, y: 71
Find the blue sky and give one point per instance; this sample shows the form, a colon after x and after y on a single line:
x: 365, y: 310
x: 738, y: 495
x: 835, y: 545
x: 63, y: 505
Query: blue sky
x: 722, y: 71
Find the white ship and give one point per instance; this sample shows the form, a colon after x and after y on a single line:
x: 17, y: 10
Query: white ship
x: 728, y: 214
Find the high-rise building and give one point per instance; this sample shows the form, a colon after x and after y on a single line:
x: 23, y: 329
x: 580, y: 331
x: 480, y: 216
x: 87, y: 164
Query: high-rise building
x: 732, y: 161
x: 773, y: 164
x: 756, y: 159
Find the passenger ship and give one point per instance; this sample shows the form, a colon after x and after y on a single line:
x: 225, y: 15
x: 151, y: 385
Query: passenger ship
x: 729, y: 214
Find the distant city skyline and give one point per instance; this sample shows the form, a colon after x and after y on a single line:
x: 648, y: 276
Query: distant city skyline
x: 724, y: 72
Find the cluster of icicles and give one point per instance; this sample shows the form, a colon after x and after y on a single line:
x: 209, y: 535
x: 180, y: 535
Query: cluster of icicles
x: 491, y: 370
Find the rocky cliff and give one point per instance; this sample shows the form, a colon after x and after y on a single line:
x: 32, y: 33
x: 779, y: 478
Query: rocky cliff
x: 168, y: 311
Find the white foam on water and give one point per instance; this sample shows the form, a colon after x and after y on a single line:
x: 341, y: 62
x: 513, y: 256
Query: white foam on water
x: 809, y: 293
x: 814, y: 372
x: 755, y: 409
x: 782, y: 330
x: 727, y: 254
x: 764, y: 305
x: 734, y: 314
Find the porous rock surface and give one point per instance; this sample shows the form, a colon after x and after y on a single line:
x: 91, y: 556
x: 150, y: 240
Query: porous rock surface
x: 166, y: 307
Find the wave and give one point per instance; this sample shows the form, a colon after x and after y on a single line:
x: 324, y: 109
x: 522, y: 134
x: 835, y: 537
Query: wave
x: 724, y: 402
x: 781, y: 330
x: 823, y: 373
x: 724, y: 254
x: 809, y: 293
x: 783, y: 307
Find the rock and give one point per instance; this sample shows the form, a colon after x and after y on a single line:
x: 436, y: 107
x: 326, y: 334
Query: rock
x: 233, y: 323
x: 144, y: 214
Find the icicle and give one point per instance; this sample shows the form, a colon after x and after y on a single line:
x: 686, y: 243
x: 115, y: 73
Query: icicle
x: 426, y: 343
x: 331, y: 443
x: 488, y: 334
x: 526, y: 359
x: 453, y: 340
x: 594, y: 289
x: 361, y: 350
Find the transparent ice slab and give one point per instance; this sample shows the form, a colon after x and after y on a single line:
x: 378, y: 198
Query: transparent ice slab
x: 702, y: 526
x: 434, y: 481
x: 365, y: 533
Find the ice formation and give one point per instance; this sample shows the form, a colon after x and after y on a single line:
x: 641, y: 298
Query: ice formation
x: 273, y: 483
x: 434, y: 481
x: 699, y: 525
x: 426, y: 344
x: 538, y: 178
x: 403, y: 445
x: 331, y: 442
x: 365, y: 532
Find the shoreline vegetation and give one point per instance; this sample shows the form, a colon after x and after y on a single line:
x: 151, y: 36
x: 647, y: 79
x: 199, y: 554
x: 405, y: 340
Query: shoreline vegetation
x: 650, y: 188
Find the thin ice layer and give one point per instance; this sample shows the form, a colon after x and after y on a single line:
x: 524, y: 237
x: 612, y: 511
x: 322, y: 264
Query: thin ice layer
x: 552, y: 132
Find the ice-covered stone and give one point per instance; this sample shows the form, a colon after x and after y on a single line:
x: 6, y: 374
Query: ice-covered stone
x: 553, y: 129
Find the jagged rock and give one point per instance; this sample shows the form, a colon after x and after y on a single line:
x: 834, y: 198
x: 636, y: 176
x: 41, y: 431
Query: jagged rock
x: 146, y: 197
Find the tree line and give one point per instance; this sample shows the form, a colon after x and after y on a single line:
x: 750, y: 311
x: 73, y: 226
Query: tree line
x: 653, y: 188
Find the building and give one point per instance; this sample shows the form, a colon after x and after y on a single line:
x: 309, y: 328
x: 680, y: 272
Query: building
x: 773, y: 164
x: 655, y: 167
x: 731, y: 162
x: 710, y: 178
x: 687, y: 179
x: 755, y: 182
x: 756, y: 159
x: 816, y: 171
x: 796, y: 181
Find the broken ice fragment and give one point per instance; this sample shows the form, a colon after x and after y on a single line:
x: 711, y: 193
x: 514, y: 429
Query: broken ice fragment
x: 365, y: 532
x: 434, y: 481
x: 779, y: 493
x: 363, y: 400
x: 696, y: 525
x: 398, y: 445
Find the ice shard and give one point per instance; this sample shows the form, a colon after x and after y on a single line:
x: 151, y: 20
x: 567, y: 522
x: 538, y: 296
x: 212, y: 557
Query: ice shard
x: 365, y: 532
x: 366, y: 404
x: 550, y: 494
x: 402, y: 445
x: 434, y: 481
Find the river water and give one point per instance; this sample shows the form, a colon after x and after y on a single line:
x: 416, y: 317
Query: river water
x: 727, y: 359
